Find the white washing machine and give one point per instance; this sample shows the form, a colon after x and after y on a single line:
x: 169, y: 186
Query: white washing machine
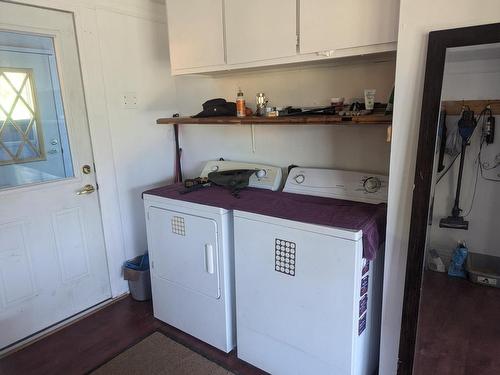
x: 190, y: 240
x: 309, y: 274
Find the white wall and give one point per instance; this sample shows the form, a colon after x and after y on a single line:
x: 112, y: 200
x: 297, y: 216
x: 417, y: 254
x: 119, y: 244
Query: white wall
x: 123, y: 48
x: 416, y: 19
x: 357, y: 148
x: 135, y: 60
x: 472, y: 79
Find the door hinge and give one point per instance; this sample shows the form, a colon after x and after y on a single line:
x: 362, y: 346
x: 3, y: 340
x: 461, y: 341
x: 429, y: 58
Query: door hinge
x: 152, y: 264
x: 297, y: 42
x: 147, y: 215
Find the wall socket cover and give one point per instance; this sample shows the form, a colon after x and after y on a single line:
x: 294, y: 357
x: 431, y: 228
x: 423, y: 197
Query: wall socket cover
x: 130, y: 100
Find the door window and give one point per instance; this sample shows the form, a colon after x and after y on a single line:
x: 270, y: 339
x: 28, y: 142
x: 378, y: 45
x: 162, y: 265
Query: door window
x: 20, y: 140
x: 34, y: 145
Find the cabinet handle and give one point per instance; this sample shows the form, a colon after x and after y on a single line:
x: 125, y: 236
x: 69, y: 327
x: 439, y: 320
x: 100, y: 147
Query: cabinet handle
x: 209, y: 259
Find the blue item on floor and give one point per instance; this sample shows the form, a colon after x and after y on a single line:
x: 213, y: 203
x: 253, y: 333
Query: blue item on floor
x: 140, y: 263
x: 457, y: 265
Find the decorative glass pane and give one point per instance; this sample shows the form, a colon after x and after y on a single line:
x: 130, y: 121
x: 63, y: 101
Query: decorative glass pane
x: 20, y: 133
x: 34, y: 140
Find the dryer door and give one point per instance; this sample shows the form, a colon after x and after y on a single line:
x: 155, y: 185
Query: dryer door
x: 184, y: 250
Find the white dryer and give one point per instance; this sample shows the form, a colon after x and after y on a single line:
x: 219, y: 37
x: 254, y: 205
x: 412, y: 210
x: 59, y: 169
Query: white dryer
x: 309, y: 274
x: 190, y: 241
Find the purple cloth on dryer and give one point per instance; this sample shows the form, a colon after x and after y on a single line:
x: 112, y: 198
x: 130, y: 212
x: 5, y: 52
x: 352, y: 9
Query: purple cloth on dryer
x: 370, y: 218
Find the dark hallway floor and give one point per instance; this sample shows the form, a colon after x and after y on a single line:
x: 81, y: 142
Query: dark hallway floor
x: 90, y: 342
x: 459, y: 328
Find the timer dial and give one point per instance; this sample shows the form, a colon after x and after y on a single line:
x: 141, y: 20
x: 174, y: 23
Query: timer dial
x: 372, y: 184
x: 300, y: 178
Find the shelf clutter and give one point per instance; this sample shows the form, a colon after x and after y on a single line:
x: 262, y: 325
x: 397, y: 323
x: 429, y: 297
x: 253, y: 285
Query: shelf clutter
x: 375, y: 119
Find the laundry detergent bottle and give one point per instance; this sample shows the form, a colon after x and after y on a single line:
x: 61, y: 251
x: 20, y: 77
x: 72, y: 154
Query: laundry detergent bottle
x: 458, y: 259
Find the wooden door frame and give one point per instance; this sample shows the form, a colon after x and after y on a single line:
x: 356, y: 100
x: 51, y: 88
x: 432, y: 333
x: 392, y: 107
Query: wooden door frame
x: 438, y: 43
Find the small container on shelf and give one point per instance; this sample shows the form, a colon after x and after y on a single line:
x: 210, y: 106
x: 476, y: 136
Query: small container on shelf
x: 261, y: 104
x: 337, y: 103
x: 240, y: 104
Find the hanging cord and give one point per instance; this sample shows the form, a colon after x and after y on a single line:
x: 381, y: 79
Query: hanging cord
x: 480, y: 166
x: 483, y: 169
x: 484, y: 166
x: 478, y: 162
x: 455, y: 135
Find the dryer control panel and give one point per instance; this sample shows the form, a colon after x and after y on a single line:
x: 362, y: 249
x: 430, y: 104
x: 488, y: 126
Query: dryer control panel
x: 331, y: 183
x: 265, y: 176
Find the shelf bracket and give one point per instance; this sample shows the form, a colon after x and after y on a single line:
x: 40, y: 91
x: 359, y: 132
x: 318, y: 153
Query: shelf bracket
x: 178, y: 153
x: 252, y: 129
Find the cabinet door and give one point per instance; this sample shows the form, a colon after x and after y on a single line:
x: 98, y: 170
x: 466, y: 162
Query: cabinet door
x: 335, y: 24
x: 196, y: 33
x: 260, y: 29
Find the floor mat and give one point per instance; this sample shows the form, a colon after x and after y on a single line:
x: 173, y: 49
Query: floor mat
x: 158, y: 354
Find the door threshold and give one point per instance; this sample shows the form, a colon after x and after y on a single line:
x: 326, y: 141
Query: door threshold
x: 23, y: 343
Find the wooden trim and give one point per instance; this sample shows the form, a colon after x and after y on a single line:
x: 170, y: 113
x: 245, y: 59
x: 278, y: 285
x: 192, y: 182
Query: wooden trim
x: 283, y: 120
x: 439, y: 41
x: 454, y: 107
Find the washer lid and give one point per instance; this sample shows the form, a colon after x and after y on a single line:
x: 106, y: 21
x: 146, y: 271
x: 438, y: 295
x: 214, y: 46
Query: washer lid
x: 331, y: 183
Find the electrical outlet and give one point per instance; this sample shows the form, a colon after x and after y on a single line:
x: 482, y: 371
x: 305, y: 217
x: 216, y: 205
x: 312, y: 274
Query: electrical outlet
x: 130, y: 100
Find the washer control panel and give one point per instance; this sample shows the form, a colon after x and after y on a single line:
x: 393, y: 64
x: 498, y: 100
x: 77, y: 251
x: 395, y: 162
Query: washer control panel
x: 348, y: 185
x: 265, y: 176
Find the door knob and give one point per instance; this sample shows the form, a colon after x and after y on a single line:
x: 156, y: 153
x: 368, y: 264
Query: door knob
x: 87, y: 189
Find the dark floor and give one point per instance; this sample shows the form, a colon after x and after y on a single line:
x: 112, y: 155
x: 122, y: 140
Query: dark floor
x: 459, y: 328
x: 90, y: 342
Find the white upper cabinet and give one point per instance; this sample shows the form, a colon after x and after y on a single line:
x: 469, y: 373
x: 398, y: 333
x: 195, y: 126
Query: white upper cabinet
x: 328, y: 25
x: 260, y: 30
x: 216, y: 35
x: 196, y: 33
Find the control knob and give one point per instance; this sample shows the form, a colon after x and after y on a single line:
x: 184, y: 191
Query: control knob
x: 261, y: 173
x: 300, y: 178
x: 372, y: 184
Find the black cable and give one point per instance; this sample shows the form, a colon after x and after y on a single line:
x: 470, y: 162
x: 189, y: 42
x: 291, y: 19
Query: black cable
x: 448, y: 168
x: 482, y: 174
x: 478, y: 118
x: 478, y: 160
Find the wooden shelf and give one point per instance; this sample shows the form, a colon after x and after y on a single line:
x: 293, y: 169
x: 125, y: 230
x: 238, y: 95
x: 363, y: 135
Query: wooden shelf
x: 454, y: 107
x: 284, y: 120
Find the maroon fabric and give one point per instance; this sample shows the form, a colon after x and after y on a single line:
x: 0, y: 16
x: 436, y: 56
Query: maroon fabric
x: 370, y: 218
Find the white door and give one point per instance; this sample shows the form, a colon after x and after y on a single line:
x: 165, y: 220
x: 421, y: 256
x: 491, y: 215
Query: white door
x: 196, y: 33
x: 260, y: 30
x: 52, y: 255
x: 184, y: 250
x: 336, y: 24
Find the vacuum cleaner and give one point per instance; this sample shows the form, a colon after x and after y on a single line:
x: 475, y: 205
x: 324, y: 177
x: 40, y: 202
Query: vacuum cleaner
x: 466, y: 126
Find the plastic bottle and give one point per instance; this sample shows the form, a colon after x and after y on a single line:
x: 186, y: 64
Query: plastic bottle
x: 240, y: 104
